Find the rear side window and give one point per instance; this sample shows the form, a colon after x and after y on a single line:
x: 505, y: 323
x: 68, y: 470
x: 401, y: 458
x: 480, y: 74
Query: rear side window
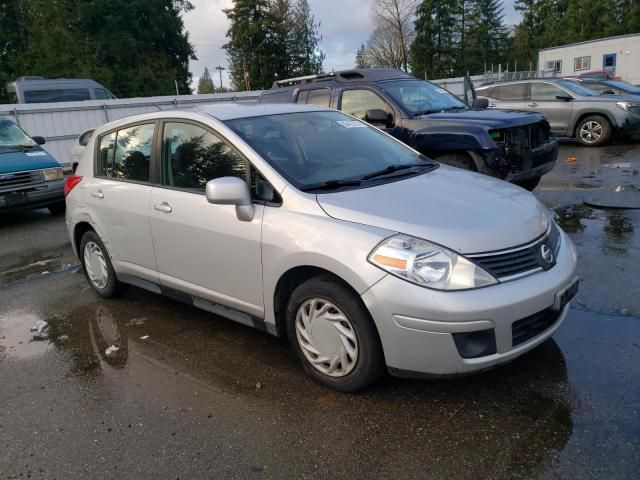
x: 192, y: 155
x: 320, y: 97
x: 60, y: 95
x: 517, y: 91
x: 280, y: 97
x: 126, y: 154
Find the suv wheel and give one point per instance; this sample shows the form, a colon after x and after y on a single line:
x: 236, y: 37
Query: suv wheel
x: 97, y: 266
x: 460, y: 160
x: 333, y: 335
x: 593, y: 131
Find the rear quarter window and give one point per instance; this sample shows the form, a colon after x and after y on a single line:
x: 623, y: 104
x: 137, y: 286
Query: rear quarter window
x: 280, y: 97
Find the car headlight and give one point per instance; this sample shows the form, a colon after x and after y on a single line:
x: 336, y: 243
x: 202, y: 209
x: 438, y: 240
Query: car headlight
x: 632, y: 107
x: 428, y: 264
x: 52, y: 174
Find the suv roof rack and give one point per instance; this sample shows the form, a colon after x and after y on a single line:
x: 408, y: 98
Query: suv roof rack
x: 320, y: 77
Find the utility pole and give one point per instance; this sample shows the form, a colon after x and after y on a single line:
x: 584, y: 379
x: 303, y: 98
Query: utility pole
x: 220, y: 69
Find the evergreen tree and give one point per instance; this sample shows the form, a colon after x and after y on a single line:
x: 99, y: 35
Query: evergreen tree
x: 205, y: 84
x: 485, y: 35
x: 361, y: 58
x: 306, y: 56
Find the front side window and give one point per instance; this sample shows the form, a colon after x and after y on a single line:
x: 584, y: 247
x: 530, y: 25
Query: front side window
x: 192, y: 155
x: 542, y: 92
x: 581, y: 63
x: 517, y: 91
x: 357, y: 102
x: 126, y: 154
x: 100, y: 93
x: 420, y: 97
x: 313, y: 148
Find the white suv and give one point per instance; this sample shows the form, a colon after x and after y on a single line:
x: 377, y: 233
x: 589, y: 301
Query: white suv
x: 305, y: 222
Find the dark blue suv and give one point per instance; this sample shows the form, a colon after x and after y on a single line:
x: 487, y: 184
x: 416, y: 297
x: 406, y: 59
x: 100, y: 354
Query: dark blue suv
x: 510, y: 145
x: 29, y: 176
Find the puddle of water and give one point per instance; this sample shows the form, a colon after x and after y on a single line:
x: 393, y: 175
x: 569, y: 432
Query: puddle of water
x: 16, y: 338
x: 56, y: 263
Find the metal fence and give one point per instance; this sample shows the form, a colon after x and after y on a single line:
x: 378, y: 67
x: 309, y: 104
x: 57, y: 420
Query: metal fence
x: 61, y: 123
x: 456, y: 85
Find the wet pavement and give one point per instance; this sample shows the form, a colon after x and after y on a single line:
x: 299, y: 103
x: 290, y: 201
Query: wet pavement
x: 185, y: 394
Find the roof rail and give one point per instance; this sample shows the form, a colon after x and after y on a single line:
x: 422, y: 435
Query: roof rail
x: 306, y: 79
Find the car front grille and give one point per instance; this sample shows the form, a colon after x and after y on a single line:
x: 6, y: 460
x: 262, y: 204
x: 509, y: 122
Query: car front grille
x: 532, y: 326
x: 11, y: 182
x: 520, y: 261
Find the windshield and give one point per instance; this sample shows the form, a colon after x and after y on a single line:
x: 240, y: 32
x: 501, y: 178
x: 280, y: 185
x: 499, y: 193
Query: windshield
x: 314, y: 148
x: 627, y: 87
x: 13, y: 136
x: 577, y: 88
x: 418, y: 96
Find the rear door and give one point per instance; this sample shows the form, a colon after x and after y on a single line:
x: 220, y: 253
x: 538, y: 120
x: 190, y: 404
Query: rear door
x: 543, y: 99
x: 118, y: 198
x: 204, y: 249
x: 511, y: 96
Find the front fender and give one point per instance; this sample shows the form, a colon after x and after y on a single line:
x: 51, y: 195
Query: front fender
x: 452, y: 138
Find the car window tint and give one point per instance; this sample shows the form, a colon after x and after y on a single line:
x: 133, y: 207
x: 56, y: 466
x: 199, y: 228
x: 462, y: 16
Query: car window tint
x: 320, y: 97
x: 105, y: 154
x: 545, y: 91
x: 517, y: 91
x: 58, y: 95
x: 133, y: 152
x: 302, y: 96
x: 280, y: 97
x: 191, y: 156
x: 598, y: 87
x: 100, y: 93
x: 357, y: 102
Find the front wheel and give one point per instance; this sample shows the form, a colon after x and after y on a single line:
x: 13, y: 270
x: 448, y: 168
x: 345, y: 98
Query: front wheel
x: 593, y: 131
x: 97, y: 267
x: 529, y: 184
x: 333, y: 335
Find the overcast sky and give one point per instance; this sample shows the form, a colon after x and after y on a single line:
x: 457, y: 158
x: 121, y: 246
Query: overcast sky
x: 343, y: 30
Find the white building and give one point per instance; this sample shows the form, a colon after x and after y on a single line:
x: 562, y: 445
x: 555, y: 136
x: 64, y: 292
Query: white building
x: 620, y: 54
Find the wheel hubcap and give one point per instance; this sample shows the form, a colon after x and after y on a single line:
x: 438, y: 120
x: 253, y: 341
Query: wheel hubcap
x: 95, y: 265
x: 591, y: 132
x: 327, y: 338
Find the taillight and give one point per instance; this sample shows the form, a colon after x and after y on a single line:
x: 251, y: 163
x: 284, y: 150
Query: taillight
x: 70, y: 183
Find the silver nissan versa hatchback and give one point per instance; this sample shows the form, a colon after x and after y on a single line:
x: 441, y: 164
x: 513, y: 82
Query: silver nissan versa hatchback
x: 306, y: 222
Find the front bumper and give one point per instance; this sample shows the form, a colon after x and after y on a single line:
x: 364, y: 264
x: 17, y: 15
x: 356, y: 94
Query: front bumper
x: 39, y: 196
x: 535, y: 162
x: 416, y: 324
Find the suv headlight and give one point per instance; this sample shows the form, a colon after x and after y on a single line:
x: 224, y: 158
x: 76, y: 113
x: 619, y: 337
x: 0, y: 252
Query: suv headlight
x: 632, y: 107
x: 52, y: 174
x: 428, y: 264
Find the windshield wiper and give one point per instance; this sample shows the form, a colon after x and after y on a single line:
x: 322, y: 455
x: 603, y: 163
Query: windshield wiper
x: 331, y: 185
x: 18, y: 147
x: 394, y: 168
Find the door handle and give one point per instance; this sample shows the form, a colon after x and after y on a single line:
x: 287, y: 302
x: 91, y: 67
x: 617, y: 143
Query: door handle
x: 98, y: 194
x: 534, y: 104
x: 163, y: 207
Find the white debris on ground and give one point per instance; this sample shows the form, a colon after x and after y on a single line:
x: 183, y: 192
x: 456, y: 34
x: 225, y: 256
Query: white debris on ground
x: 111, y: 350
x: 41, y: 330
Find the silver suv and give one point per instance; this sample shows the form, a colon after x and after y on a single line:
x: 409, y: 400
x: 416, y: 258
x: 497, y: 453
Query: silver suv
x: 573, y: 110
x: 303, y: 221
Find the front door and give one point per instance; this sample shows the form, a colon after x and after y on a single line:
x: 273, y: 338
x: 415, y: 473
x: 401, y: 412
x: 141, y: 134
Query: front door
x: 118, y: 199
x: 543, y: 99
x: 204, y: 249
x: 357, y: 101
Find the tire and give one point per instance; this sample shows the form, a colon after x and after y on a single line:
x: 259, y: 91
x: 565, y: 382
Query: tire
x: 356, y: 366
x: 460, y: 160
x: 57, y: 208
x: 98, y: 271
x: 529, y: 184
x: 593, y: 131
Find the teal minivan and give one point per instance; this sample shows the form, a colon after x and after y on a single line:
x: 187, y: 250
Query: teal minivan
x: 29, y: 177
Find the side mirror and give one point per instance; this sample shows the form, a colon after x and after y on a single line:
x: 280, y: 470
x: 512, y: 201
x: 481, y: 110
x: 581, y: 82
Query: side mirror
x: 564, y: 96
x: 231, y: 191
x: 39, y: 140
x: 481, y: 102
x: 377, y: 116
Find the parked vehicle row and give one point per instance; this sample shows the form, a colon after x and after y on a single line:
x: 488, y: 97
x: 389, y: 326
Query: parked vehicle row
x: 572, y: 109
x: 306, y: 222
x: 513, y: 146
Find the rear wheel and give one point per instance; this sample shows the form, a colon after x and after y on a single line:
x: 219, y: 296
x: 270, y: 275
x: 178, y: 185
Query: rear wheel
x: 460, y: 160
x: 97, y: 267
x: 529, y: 184
x: 333, y: 335
x: 593, y: 131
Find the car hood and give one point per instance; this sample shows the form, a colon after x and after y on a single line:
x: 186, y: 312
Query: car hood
x: 464, y: 211
x: 18, y: 161
x: 490, y: 118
